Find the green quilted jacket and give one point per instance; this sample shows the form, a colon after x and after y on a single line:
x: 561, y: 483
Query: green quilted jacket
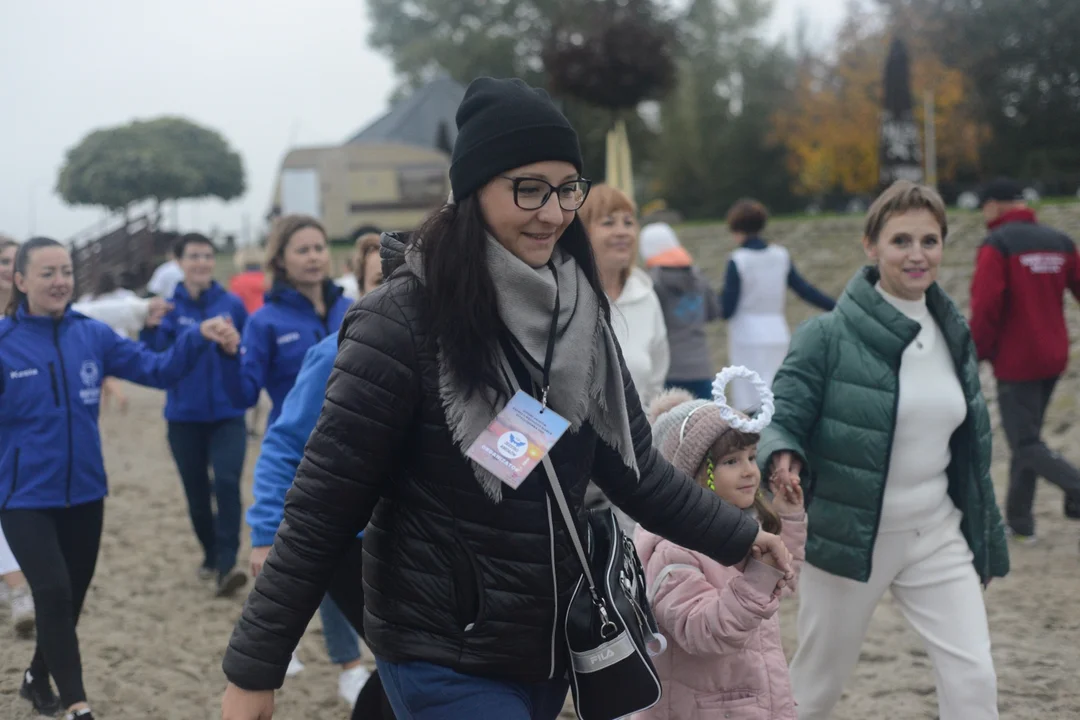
x: 836, y: 397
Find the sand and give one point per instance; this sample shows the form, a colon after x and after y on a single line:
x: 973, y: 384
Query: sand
x: 152, y: 635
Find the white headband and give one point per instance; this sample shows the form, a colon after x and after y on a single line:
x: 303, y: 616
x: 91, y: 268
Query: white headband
x: 733, y: 418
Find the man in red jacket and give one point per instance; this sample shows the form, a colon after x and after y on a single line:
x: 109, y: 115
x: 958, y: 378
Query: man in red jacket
x: 1018, y: 323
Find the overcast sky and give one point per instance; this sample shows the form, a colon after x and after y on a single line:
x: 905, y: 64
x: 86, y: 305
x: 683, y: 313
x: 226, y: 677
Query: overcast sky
x: 267, y: 74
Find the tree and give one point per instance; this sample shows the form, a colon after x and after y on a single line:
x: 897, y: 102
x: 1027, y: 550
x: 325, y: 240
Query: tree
x: 501, y: 38
x: 464, y: 38
x: 1023, y: 63
x: 831, y: 124
x: 159, y: 160
x: 613, y: 53
x: 715, y: 143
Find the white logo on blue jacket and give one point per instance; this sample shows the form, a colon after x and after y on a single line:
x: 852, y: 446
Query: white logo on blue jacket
x: 91, y: 377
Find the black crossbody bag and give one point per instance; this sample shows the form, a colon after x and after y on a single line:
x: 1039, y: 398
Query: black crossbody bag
x: 609, y: 624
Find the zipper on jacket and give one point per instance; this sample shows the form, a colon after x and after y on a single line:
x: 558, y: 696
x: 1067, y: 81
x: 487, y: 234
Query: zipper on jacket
x: 554, y: 585
x: 203, y: 315
x: 55, y: 386
x: 67, y: 405
x: 885, y: 477
x: 14, y: 480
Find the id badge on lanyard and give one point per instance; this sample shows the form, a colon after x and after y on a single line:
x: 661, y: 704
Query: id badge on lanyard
x: 526, y: 430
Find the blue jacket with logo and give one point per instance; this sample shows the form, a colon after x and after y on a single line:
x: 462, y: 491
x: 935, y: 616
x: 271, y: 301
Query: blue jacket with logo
x: 276, y: 337
x: 283, y: 444
x: 200, y: 396
x: 50, y: 391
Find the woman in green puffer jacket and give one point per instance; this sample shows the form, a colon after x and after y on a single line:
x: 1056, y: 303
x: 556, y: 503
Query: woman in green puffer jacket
x: 880, y: 411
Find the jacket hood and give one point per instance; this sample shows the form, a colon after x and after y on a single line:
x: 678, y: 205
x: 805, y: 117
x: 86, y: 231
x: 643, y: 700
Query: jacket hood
x: 392, y: 251
x: 638, y: 288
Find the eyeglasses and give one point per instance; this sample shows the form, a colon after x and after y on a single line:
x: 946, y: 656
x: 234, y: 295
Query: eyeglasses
x: 533, y: 193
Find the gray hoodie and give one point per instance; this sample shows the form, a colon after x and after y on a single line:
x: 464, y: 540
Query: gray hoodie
x: 688, y: 302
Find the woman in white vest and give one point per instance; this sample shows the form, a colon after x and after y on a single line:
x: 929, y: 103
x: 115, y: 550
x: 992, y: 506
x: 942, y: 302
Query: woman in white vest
x: 754, y: 298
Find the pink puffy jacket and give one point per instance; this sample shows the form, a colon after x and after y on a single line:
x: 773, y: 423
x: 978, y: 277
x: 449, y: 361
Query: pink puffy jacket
x: 724, y: 660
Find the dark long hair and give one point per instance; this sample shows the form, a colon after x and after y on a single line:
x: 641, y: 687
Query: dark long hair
x: 22, y: 260
x: 460, y: 304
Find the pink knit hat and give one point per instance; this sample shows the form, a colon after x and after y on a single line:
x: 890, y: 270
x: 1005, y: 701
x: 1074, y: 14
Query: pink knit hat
x: 685, y: 429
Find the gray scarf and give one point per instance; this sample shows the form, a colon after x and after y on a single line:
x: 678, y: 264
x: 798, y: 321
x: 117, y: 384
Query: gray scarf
x: 586, y: 376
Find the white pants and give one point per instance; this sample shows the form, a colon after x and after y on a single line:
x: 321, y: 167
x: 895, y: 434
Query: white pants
x: 931, y: 577
x: 764, y: 359
x: 8, y: 563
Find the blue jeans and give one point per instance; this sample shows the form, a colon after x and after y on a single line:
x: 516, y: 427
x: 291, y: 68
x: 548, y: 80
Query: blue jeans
x: 701, y: 389
x: 197, y: 448
x: 423, y: 691
x: 342, y: 642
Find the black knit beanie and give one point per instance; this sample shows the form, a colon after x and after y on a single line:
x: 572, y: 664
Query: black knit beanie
x: 505, y: 124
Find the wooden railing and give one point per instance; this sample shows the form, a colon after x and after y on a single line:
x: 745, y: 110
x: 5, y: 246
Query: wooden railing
x: 130, y: 250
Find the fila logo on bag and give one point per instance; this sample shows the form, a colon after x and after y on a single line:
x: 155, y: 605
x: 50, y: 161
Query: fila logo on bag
x: 601, y: 656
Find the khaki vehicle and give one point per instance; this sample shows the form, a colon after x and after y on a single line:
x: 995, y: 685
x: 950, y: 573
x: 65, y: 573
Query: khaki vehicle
x: 389, y: 176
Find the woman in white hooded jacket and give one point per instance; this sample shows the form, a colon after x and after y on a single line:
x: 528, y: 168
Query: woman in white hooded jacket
x: 637, y: 318
x: 636, y: 315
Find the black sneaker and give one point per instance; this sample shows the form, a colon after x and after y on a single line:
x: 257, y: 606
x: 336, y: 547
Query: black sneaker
x: 230, y: 582
x: 83, y: 714
x: 40, y: 694
x: 1072, y: 509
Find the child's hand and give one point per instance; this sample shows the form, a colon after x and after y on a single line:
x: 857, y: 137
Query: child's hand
x: 787, y: 492
x: 770, y: 560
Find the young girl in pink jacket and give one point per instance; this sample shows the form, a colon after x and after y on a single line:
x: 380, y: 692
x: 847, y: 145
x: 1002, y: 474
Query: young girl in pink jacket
x: 724, y: 660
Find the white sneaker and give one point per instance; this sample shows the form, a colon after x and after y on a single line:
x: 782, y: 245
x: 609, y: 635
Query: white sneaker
x: 350, y: 682
x: 22, y: 611
x: 295, y: 666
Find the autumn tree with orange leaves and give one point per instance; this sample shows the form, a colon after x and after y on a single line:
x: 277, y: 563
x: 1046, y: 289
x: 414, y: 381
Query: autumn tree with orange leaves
x: 830, y: 125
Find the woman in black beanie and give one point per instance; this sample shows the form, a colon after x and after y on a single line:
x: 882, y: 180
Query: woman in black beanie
x: 467, y: 578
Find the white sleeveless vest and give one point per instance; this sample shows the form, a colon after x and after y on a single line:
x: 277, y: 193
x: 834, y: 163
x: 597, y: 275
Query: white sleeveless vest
x: 758, y: 334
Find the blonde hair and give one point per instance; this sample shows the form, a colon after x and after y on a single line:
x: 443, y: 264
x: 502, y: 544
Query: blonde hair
x: 901, y: 197
x: 284, y: 228
x: 605, y: 200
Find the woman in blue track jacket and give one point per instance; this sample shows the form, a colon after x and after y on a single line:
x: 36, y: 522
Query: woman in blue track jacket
x: 52, y: 475
x: 205, y: 429
x: 280, y: 455
x: 303, y: 307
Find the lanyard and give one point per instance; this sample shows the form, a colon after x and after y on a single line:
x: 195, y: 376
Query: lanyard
x: 550, y: 354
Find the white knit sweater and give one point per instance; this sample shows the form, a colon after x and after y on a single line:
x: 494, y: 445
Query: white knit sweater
x: 931, y: 407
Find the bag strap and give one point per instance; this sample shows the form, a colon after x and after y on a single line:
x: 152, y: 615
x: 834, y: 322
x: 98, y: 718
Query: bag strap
x: 556, y: 488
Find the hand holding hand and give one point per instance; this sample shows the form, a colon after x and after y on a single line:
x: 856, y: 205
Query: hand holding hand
x: 221, y: 330
x: 787, y: 492
x: 786, y: 462
x: 769, y: 560
x: 773, y: 552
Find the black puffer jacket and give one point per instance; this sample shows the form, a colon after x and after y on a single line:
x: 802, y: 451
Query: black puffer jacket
x: 450, y: 577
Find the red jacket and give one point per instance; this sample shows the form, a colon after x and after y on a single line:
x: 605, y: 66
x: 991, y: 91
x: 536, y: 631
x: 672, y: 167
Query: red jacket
x: 250, y: 286
x: 1017, y: 298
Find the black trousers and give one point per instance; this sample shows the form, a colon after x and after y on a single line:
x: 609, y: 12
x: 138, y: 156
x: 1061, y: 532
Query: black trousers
x: 57, y: 550
x: 347, y: 591
x: 1023, y: 410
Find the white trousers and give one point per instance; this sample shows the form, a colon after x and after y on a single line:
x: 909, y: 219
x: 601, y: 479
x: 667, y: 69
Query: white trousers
x: 8, y: 564
x: 931, y: 577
